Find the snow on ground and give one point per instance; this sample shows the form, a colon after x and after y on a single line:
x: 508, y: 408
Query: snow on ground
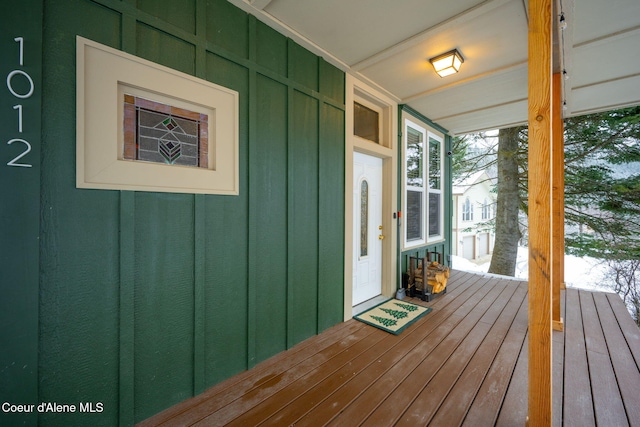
x: 585, y: 273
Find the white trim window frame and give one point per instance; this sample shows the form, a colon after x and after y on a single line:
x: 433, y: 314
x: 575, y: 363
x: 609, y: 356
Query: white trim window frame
x: 486, y: 210
x: 467, y: 210
x: 423, y: 181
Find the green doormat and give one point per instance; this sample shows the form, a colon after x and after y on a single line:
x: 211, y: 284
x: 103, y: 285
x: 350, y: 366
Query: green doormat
x: 393, y: 315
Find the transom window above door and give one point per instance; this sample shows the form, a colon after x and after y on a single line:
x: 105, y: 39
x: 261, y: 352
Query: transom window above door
x: 372, y: 120
x: 366, y: 123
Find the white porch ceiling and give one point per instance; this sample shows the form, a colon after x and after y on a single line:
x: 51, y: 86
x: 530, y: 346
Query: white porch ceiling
x: 389, y: 43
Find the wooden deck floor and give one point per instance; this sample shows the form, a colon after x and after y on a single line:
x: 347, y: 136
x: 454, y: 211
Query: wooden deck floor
x: 465, y: 363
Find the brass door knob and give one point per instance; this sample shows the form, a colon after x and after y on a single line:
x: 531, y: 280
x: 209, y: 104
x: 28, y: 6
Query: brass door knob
x: 380, y: 237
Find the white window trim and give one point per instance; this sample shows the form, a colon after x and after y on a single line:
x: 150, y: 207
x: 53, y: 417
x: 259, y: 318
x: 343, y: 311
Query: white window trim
x: 406, y: 187
x: 426, y: 239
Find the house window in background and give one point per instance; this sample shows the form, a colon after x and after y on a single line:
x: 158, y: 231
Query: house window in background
x: 423, y: 178
x: 467, y: 210
x: 486, y: 209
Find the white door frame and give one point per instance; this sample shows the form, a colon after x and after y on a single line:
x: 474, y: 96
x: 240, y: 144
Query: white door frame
x: 387, y: 151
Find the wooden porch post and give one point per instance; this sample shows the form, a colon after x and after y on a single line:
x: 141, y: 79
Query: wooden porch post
x: 540, y: 339
x: 557, y: 247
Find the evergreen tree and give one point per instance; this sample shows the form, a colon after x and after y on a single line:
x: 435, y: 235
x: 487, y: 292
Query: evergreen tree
x: 602, y: 190
x: 602, y: 206
x: 602, y: 187
x: 509, y: 203
x: 472, y: 153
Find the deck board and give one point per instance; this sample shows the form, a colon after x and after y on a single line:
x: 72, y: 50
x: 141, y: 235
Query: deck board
x: 454, y: 408
x: 513, y: 411
x: 266, y: 375
x: 382, y: 374
x: 608, y: 405
x: 378, y: 391
x: 301, y: 403
x: 465, y: 363
x: 487, y: 404
x: 627, y: 374
x: 489, y: 331
x: 298, y: 381
x: 389, y: 411
x: 558, y: 363
x: 631, y: 334
x: 434, y: 391
x: 578, y: 410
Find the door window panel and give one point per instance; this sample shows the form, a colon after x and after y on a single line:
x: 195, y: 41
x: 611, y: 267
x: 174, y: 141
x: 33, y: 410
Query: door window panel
x: 364, y: 218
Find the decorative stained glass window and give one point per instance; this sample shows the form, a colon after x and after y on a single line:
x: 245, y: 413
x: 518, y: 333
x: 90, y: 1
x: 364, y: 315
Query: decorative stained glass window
x: 160, y: 133
x: 364, y: 218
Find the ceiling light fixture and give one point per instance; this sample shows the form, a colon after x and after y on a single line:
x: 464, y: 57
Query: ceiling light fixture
x: 447, y: 63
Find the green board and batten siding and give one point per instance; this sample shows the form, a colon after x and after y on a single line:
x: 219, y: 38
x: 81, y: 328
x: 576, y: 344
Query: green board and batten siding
x: 20, y: 120
x: 146, y: 299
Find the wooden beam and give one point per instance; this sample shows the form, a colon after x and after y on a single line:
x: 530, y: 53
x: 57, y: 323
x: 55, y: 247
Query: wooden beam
x: 557, y: 219
x: 540, y: 334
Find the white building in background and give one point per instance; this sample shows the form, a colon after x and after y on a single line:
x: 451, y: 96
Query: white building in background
x: 474, y: 206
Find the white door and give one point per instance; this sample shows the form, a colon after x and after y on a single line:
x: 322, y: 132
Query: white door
x: 367, y: 227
